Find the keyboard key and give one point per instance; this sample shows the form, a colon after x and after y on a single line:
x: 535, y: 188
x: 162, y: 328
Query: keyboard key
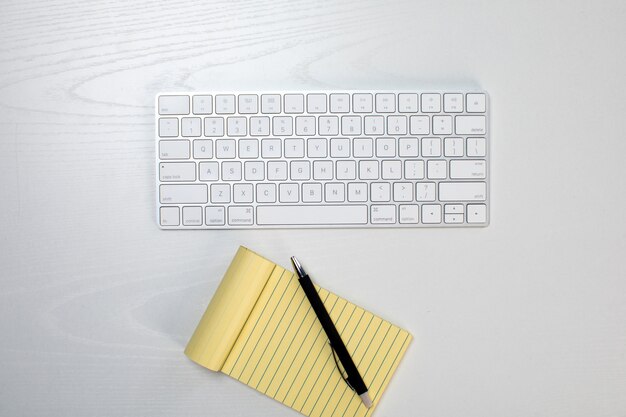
x: 340, y: 103
x: 191, y: 126
x: 177, y: 171
x: 476, y: 213
x: 305, y: 125
x: 396, y: 125
x: 436, y: 169
x: 202, y: 104
x: 266, y: 193
x: 187, y: 193
x: 340, y: 148
x: 237, y: 126
x: 368, y: 170
x: 391, y: 170
x: 277, y: 170
x: 225, y: 104
x: 476, y: 103
x: 294, y: 148
x: 431, y: 213
x: 254, y: 170
x: 312, y: 192
x: 259, y: 126
x: 420, y: 125
x: 346, y: 170
x: 316, y: 103
x: 220, y: 193
x: 462, y: 191
x: 413, y: 170
x: 453, y: 103
x: 380, y: 191
x: 174, y: 149
x: 363, y: 148
x: 192, y: 216
x: 322, y: 170
x: 231, y: 171
x: 350, y: 125
x: 209, y: 171
x: 300, y: 170
x: 383, y: 214
x: 431, y: 103
x: 431, y: 147
x: 362, y: 103
x: 271, y: 148
x: 452, y: 218
x: 357, y: 192
x: 385, y: 147
x: 334, y: 192
x: 408, y: 103
x: 425, y: 191
x: 294, y: 103
x: 328, y: 125
x: 454, y: 209
x: 203, y: 149
x: 453, y: 147
x: 248, y: 148
x: 168, y: 127
x: 408, y: 214
x: 248, y: 104
x: 442, y: 125
x: 169, y: 105
x: 374, y: 125
x: 470, y: 125
x: 385, y: 103
x: 476, y: 147
x: 288, y: 193
x: 240, y: 215
x: 402, y: 191
x: 214, y: 126
x: 282, y: 125
x: 468, y: 169
x: 214, y: 215
x: 311, y: 215
x: 270, y: 103
x: 225, y: 148
x: 169, y: 216
x: 408, y: 147
x: 316, y: 148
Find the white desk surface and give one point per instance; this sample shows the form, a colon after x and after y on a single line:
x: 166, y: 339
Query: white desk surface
x: 524, y: 318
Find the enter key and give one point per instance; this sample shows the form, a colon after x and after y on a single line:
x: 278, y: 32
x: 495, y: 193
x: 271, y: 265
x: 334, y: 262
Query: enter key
x: 468, y: 169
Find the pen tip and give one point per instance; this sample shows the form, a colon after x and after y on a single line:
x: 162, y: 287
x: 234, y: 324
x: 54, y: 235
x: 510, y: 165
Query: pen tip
x: 367, y: 401
x: 297, y: 266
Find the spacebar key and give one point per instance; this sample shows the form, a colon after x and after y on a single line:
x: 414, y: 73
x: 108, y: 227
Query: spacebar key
x: 311, y: 215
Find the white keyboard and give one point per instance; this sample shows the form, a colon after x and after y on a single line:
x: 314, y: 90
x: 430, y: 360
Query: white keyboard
x: 232, y: 160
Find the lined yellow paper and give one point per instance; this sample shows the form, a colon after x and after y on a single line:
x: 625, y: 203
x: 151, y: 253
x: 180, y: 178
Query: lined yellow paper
x: 282, y: 351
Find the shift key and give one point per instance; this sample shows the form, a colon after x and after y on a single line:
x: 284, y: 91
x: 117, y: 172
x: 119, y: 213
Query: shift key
x: 462, y: 191
x: 188, y: 193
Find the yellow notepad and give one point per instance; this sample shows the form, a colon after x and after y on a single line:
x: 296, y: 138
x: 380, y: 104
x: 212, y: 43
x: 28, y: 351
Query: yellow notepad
x: 260, y: 329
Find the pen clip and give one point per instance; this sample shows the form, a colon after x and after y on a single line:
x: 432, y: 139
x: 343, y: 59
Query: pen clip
x: 339, y: 368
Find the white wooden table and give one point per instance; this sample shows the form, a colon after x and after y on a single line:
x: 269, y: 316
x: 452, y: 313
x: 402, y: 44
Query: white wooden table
x: 525, y: 317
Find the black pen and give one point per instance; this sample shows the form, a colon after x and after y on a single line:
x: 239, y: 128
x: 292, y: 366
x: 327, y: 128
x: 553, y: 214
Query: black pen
x: 353, y: 379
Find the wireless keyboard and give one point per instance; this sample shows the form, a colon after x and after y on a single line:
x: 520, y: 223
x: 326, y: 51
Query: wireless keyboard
x: 232, y: 160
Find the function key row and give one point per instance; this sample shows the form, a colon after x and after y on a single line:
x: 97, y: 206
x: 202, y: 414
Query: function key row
x: 317, y: 103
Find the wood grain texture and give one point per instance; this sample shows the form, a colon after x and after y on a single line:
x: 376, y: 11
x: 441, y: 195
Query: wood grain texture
x: 526, y: 317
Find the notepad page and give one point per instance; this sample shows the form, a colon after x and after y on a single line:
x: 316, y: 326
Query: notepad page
x: 283, y: 352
